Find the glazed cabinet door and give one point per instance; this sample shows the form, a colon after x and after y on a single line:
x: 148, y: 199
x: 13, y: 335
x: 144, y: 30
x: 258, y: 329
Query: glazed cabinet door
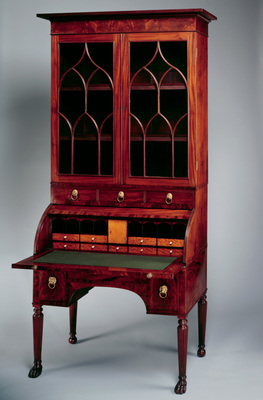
x: 85, y: 108
x: 157, y: 108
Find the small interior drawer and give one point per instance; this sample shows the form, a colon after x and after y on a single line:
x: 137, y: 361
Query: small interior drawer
x: 170, y: 242
x: 93, y: 247
x: 142, y: 250
x: 93, y: 238
x: 67, y: 237
x: 170, y: 252
x: 118, y: 249
x: 66, y: 246
x: 142, y: 241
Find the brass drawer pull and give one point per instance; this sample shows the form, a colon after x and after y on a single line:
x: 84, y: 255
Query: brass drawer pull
x: 52, y: 280
x: 74, y: 194
x: 169, y: 198
x: 163, y: 291
x: 120, y: 197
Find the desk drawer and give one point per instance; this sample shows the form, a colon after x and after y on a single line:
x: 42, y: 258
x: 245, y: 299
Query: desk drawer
x: 66, y: 246
x: 93, y: 238
x: 93, y: 247
x: 142, y: 241
x: 170, y: 252
x: 150, y: 251
x: 170, y: 242
x: 65, y: 237
x: 118, y: 249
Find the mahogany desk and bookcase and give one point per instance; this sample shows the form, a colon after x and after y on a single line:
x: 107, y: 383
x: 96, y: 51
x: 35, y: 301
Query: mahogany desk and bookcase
x: 128, y: 167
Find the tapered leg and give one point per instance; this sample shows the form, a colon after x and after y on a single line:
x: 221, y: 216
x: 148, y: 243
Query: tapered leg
x: 202, y: 311
x: 37, y: 336
x: 73, y: 322
x: 182, y: 335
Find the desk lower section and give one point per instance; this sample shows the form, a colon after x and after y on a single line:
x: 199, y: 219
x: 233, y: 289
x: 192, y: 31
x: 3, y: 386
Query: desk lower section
x: 163, y: 283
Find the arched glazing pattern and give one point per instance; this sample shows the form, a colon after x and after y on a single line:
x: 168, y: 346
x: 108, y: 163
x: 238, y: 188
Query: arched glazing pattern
x: 158, y: 109
x: 86, y: 108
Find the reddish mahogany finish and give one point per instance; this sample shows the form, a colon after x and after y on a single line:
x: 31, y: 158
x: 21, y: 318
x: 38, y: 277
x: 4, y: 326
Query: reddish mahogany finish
x: 128, y: 167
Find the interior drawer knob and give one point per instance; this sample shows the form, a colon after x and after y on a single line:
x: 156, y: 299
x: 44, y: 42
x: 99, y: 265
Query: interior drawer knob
x: 74, y: 194
x: 120, y: 197
x: 169, y: 198
x: 52, y: 280
x: 163, y: 291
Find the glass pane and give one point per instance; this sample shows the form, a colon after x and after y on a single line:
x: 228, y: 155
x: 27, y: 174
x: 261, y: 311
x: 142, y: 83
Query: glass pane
x: 136, y: 148
x: 70, y: 55
x: 85, y: 147
x: 86, y: 103
x: 64, y: 146
x: 175, y: 53
x: 180, y: 159
x: 72, y: 97
x: 106, y: 147
x: 159, y: 104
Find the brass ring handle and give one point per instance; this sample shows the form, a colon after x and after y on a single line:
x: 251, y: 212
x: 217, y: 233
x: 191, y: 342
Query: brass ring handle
x: 169, y: 198
x: 52, y: 280
x: 120, y: 197
x: 74, y: 194
x: 163, y: 291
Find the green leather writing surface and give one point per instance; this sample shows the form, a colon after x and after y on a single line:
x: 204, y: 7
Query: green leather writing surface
x: 106, y: 260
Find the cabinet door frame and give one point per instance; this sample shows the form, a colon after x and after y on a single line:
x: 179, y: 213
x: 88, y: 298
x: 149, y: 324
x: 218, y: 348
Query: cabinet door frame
x: 56, y: 176
x: 191, y: 78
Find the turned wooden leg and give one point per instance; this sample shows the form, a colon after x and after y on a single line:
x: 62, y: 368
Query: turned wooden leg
x: 202, y: 311
x: 37, y: 337
x: 182, y: 335
x: 73, y: 322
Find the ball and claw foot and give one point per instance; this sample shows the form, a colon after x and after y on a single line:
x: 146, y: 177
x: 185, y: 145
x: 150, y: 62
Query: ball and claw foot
x: 72, y: 339
x: 180, y: 388
x: 35, y: 370
x: 201, y: 351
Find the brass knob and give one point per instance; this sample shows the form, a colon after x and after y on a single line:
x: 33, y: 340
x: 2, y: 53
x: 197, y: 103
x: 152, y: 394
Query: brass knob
x: 169, y: 198
x: 163, y: 291
x: 74, y: 194
x: 52, y: 280
x: 120, y: 197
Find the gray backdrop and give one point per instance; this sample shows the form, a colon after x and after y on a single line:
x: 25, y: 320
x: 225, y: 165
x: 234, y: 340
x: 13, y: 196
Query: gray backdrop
x: 121, y: 350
